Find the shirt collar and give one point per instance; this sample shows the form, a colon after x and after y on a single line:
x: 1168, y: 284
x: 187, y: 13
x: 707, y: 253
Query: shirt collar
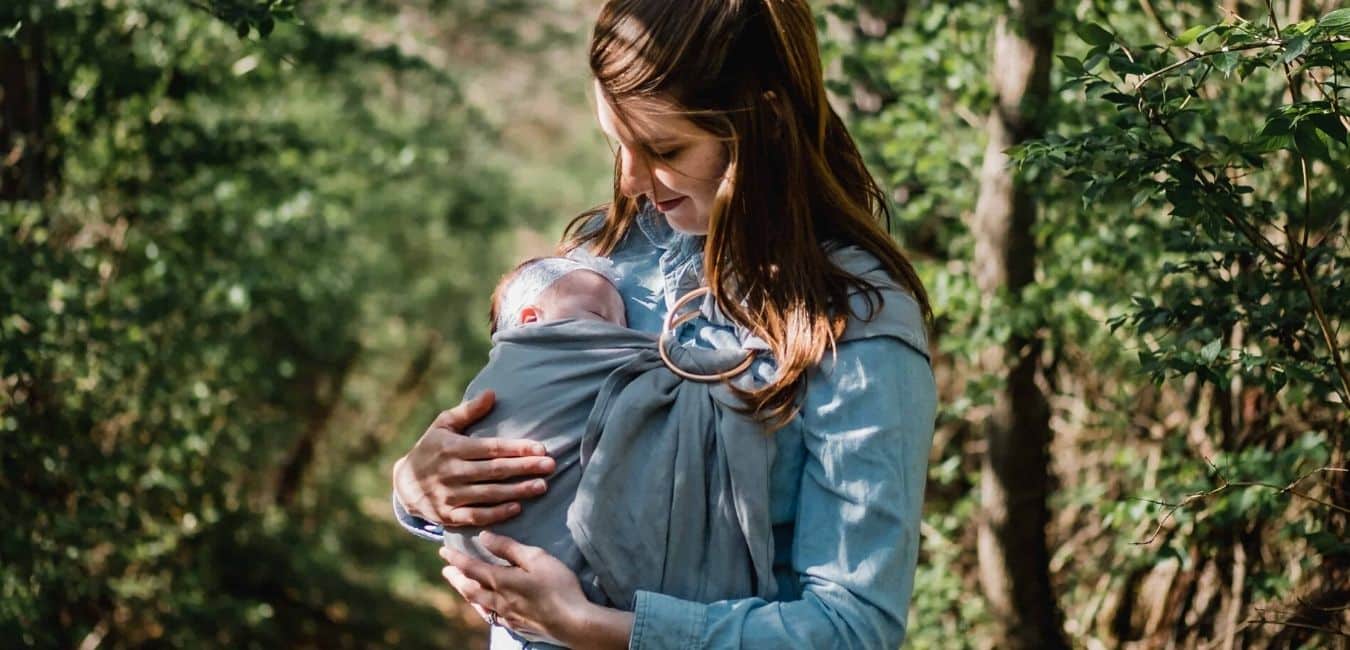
x: 653, y: 224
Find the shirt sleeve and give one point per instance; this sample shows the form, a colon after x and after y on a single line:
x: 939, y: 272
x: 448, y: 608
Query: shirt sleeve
x: 418, y: 526
x: 867, y: 417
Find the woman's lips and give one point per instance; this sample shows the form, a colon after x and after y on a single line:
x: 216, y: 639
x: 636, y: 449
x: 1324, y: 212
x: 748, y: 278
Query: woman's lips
x: 667, y: 206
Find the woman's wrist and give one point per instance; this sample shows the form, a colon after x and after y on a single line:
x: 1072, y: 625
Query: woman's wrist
x: 594, y: 626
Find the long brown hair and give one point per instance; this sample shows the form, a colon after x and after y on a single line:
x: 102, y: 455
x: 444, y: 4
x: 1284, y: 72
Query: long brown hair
x: 749, y: 72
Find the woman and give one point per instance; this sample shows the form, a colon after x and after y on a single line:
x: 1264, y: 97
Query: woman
x: 732, y: 171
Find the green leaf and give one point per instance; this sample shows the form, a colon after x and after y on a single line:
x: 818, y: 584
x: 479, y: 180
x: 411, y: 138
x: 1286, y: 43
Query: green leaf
x: 1122, y: 65
x: 1225, y: 62
x: 1277, y: 125
x: 1094, y: 61
x: 1211, y: 350
x: 1071, y: 65
x: 1187, y: 37
x: 1302, y: 27
x: 1094, y: 34
x: 1141, y: 196
x: 1309, y: 143
x: 1335, y: 21
x: 1330, y: 124
x: 1098, y: 88
x: 1294, y: 48
x: 934, y: 18
x: 1120, y: 98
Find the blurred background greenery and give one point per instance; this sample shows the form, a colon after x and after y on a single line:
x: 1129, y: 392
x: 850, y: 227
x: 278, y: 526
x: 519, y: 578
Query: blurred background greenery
x: 246, y: 248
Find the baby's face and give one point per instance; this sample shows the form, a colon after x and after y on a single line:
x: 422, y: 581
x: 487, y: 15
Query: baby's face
x: 584, y: 295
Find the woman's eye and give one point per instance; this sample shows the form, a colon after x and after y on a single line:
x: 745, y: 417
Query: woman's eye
x: 669, y: 153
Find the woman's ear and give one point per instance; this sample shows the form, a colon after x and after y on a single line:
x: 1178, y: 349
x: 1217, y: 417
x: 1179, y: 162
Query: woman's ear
x: 529, y: 314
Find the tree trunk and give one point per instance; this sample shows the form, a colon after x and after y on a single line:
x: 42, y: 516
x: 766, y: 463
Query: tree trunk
x: 27, y: 163
x: 1015, y: 483
x: 324, y: 395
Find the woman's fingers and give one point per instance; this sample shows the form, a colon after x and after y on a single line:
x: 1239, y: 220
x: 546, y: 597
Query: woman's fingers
x: 488, y: 577
x: 488, y: 448
x: 470, y: 493
x: 491, y: 494
x: 479, y: 516
x: 471, y: 590
x: 510, y: 550
x: 497, y: 469
x: 468, y: 412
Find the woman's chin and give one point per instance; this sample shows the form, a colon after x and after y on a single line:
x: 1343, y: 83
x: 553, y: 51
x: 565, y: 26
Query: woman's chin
x: 685, y: 223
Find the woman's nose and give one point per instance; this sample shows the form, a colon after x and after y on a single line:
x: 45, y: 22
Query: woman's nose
x: 635, y: 175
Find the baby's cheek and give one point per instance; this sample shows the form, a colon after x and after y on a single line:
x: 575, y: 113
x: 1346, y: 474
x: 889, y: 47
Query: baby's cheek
x: 619, y: 310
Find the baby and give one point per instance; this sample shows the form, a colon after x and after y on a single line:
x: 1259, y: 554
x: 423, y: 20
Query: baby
x: 545, y: 289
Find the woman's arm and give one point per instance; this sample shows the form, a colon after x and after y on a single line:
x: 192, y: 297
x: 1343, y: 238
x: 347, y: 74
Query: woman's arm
x: 868, y: 420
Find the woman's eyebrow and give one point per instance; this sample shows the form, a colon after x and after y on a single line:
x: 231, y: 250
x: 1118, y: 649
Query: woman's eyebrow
x: 656, y: 142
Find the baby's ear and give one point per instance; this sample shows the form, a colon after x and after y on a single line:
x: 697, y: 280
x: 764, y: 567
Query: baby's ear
x: 529, y: 314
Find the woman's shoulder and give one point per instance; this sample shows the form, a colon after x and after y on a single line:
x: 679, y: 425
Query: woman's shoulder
x: 886, y: 308
x: 860, y: 262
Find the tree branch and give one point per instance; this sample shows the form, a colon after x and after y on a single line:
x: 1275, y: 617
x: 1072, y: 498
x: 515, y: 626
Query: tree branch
x: 1225, y: 485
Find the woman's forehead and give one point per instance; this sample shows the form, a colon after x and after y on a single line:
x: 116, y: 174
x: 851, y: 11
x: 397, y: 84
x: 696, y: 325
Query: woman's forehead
x: 644, y: 119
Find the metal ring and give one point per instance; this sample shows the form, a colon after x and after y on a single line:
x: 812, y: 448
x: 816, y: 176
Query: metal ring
x: 675, y: 319
x: 492, y: 618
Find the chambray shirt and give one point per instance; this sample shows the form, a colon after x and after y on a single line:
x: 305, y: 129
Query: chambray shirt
x: 846, y: 486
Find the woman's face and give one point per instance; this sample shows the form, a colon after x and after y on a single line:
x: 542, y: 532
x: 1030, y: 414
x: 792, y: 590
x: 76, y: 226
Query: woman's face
x: 682, y: 179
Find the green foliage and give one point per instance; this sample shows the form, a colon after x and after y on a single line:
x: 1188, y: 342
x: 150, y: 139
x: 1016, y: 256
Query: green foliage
x: 1191, y: 289
x: 1252, y: 236
x: 249, y: 16
x: 252, y: 262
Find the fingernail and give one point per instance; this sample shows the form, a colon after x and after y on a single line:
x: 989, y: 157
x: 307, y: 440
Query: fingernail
x: 545, y: 465
x: 513, y: 508
x: 538, y: 450
x: 537, y: 485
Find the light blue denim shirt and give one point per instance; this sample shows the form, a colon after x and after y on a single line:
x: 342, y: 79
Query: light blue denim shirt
x: 846, y: 487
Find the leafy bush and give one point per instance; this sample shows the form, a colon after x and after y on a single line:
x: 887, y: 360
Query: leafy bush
x: 1190, y: 288
x: 229, y: 264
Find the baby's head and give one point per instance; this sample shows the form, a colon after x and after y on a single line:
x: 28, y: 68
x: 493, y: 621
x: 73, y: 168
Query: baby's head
x: 553, y: 288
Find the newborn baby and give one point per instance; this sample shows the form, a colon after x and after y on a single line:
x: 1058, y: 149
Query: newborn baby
x: 546, y: 289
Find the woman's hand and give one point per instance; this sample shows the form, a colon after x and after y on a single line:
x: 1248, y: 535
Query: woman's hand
x: 539, y: 594
x: 456, y: 480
